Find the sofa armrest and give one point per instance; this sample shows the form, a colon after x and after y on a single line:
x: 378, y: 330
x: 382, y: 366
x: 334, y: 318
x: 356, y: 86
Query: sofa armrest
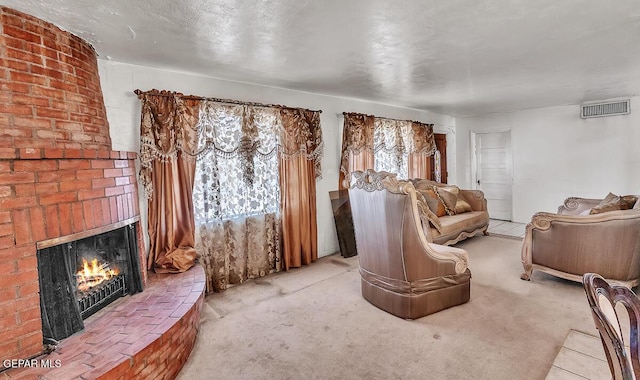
x: 575, y: 205
x: 475, y: 198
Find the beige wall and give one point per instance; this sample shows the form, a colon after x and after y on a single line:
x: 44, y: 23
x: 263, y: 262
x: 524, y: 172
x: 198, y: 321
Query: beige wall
x: 556, y: 154
x: 123, y: 111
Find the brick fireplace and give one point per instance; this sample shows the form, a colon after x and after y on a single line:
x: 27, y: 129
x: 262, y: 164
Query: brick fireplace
x: 58, y: 173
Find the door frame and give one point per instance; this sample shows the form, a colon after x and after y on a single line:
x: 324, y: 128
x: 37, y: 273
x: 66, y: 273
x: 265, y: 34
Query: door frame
x: 474, y: 161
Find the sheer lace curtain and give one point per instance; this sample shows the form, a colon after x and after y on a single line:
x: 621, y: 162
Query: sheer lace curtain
x: 396, y: 146
x: 237, y: 193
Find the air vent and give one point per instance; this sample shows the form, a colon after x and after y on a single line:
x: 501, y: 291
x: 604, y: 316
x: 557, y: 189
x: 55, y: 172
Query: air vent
x: 609, y: 108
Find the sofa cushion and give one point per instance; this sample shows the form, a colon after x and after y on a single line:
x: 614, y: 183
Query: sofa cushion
x: 456, y: 223
x: 433, y: 201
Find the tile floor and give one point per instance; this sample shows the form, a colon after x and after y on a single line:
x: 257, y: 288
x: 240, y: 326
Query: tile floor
x: 581, y: 357
x: 508, y: 229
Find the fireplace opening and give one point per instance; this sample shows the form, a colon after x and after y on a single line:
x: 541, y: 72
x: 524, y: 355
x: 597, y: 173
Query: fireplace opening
x: 82, y: 275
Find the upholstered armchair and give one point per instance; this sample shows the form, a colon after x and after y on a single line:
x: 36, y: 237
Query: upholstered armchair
x: 401, y: 272
x: 574, y: 242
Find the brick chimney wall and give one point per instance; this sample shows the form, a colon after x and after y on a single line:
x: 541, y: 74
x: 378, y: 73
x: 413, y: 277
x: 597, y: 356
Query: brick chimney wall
x: 58, y: 174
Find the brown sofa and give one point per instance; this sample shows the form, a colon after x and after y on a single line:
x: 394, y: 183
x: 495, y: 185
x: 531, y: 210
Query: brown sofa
x: 574, y: 242
x: 401, y: 272
x: 450, y: 229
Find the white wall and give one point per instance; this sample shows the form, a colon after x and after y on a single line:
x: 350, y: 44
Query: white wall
x: 119, y: 80
x: 556, y: 154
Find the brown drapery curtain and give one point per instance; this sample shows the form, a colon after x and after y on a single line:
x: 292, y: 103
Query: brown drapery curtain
x: 300, y: 154
x: 359, y: 144
x: 168, y: 136
x: 424, y: 147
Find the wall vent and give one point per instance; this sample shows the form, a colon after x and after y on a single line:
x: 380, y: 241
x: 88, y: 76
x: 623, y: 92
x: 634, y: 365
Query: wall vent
x: 608, y: 108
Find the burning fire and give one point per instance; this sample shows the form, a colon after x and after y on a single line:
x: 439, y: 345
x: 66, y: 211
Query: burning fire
x: 93, y: 274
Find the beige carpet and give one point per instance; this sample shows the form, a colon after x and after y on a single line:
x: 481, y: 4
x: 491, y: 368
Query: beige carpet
x: 312, y: 323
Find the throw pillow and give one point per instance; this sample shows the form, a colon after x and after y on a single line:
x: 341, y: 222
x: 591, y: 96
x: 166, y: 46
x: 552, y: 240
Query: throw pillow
x: 629, y: 201
x: 460, y: 205
x: 433, y: 202
x: 615, y: 203
x: 449, y: 196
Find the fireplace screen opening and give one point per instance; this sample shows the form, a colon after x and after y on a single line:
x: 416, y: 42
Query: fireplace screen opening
x: 80, y: 277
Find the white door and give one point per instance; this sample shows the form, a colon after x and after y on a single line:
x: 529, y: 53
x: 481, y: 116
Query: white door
x: 493, y: 172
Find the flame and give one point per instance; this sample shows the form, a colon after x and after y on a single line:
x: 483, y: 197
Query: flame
x: 93, y: 274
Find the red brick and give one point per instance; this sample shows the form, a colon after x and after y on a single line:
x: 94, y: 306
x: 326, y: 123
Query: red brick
x: 65, y: 219
x: 52, y: 225
x: 113, y: 208
x: 35, y: 165
x: 52, y: 113
x: 103, y: 182
x: 78, y: 220
x: 16, y: 109
x: 113, y: 173
x: 17, y: 76
x: 47, y: 92
x: 27, y: 263
x: 36, y: 215
x: 97, y: 212
x: 90, y: 154
x: 6, y: 191
x: 106, y: 211
x: 90, y: 173
x: 21, y: 226
x: 102, y: 164
x: 6, y: 229
x: 74, y: 164
x: 17, y: 252
x: 128, y: 171
x: 21, y: 34
x: 102, y: 153
x: 26, y: 189
x: 30, y: 314
x: 23, y: 56
x: 31, y: 152
x: 8, y: 153
x: 87, y: 206
x: 28, y: 289
x: 69, y: 126
x: 110, y: 191
x: 14, y: 87
x: 8, y: 266
x: 47, y: 187
x: 75, y: 185
x: 53, y: 153
x: 120, y: 206
x: 12, y: 279
x: 33, y: 342
x: 62, y: 197
x: 51, y: 134
x: 90, y: 194
x: 30, y: 100
x: 14, y: 178
x: 17, y: 202
x: 15, y: 132
x: 73, y: 153
x: 57, y: 176
x: 8, y: 294
x: 120, y: 181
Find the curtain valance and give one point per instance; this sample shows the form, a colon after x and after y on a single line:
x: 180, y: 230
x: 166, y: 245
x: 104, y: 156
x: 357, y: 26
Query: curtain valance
x: 397, y: 138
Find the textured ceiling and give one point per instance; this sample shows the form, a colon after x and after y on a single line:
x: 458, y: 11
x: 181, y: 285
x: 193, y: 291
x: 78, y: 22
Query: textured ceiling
x: 457, y: 57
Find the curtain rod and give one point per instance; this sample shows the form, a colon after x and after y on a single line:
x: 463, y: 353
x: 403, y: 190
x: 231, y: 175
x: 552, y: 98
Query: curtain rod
x: 380, y: 117
x: 139, y: 93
